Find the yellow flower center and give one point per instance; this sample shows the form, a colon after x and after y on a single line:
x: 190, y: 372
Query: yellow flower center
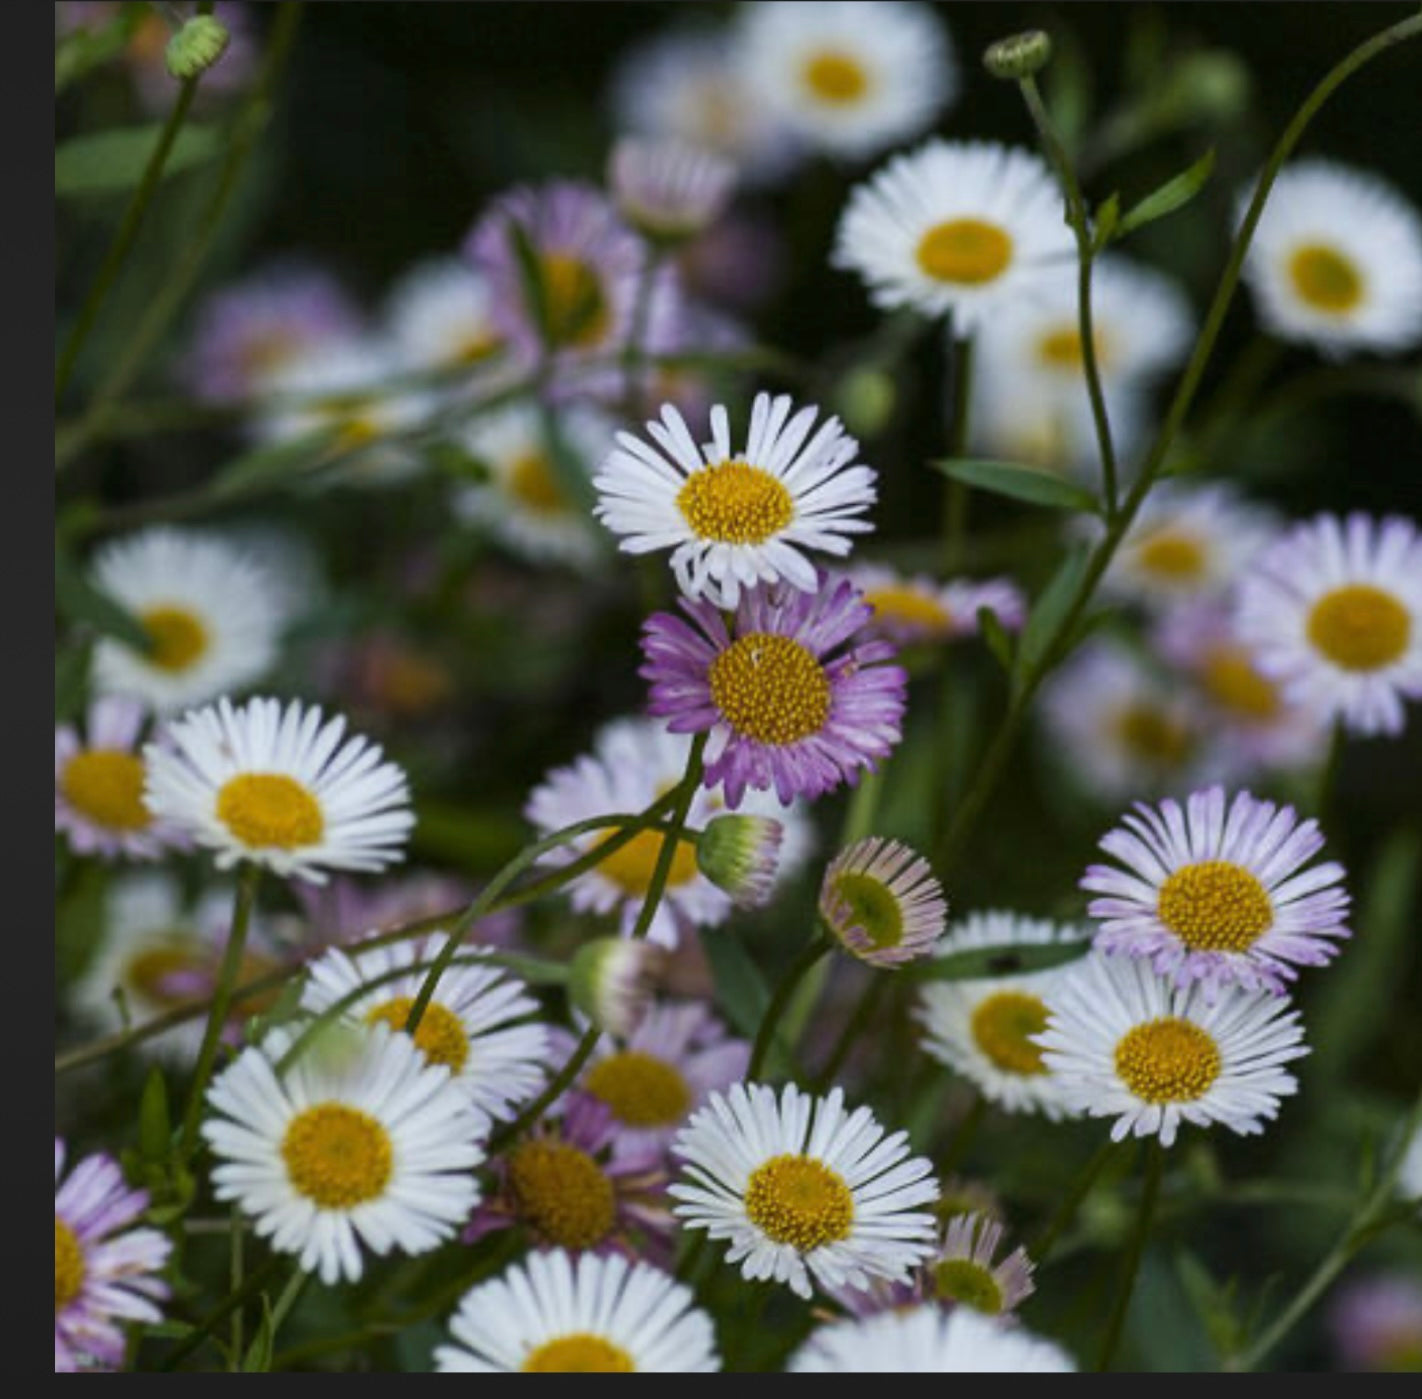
x: 577, y: 310
x: 1360, y: 627
x: 909, y: 607
x: 179, y: 639
x: 799, y: 1201
x: 440, y: 1036
x: 534, y: 484
x: 735, y: 503
x: 151, y: 971
x: 1215, y: 906
x: 968, y: 252
x: 106, y: 785
x: 872, y: 907
x: 1173, y: 556
x: 1231, y: 680
x: 1153, y: 736
x: 1003, y: 1026
x: 1168, y: 1060
x: 1326, y: 279
x: 563, y: 1193
x: 581, y: 1353
x: 270, y: 809
x: 267, y: 351
x: 836, y: 77
x: 630, y: 866
x: 476, y: 344
x: 412, y: 684
x: 68, y: 1265
x: 1063, y: 349
x: 641, y: 1090
x: 770, y: 689
x: 967, y: 1283
x: 337, y: 1156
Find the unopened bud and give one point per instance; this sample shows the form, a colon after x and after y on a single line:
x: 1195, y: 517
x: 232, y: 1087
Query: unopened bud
x: 612, y: 981
x: 740, y: 855
x: 1019, y: 56
x: 196, y: 47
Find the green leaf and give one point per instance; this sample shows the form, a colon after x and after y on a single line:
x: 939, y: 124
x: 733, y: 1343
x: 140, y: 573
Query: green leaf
x: 1051, y: 609
x: 79, y: 602
x: 530, y: 272
x: 259, y: 1354
x: 740, y: 990
x: 275, y: 465
x: 1104, y: 226
x: 85, y: 48
x: 1172, y: 195
x: 1027, y: 483
x: 452, y: 459
x: 71, y: 678
x: 155, y: 1125
x: 1008, y: 959
x: 110, y: 162
x: 997, y: 637
x: 1213, y: 1304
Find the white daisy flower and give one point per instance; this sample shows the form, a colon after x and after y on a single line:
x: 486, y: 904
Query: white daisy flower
x: 967, y: 228
x: 1188, y: 542
x: 668, y: 190
x: 1336, y: 260
x: 983, y: 1027
x: 361, y: 1140
x: 916, y: 608
x: 214, y: 614
x: 882, y: 902
x: 928, y: 1340
x: 1125, y: 1042
x: 633, y: 763
x: 279, y: 787
x: 1334, y: 613
x: 802, y: 1188
x: 733, y: 520
x: 848, y: 77
x: 525, y: 503
x: 557, y: 1314
x: 438, y: 316
x: 479, y: 1023
x: 1217, y: 892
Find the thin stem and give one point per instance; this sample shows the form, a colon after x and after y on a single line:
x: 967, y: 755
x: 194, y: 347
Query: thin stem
x: 557, y: 1086
x: 819, y: 946
x: 955, y: 500
x: 859, y: 1018
x: 1066, y: 1211
x: 963, y: 1137
x: 255, y: 1282
x: 243, y: 900
x: 234, y: 1358
x: 1150, y: 1192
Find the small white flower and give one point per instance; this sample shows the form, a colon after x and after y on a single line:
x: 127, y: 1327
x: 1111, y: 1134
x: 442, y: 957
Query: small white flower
x: 909, y: 609
x: 668, y: 190
x: 802, y: 1188
x: 556, y: 1314
x: 281, y: 788
x: 438, y: 315
x: 736, y: 519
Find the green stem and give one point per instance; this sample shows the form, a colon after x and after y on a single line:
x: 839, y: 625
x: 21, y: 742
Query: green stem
x: 234, y: 1357
x: 955, y: 499
x: 255, y: 1282
x: 818, y: 947
x: 1150, y: 1193
x: 243, y: 900
x: 1329, y: 773
x: 1066, y: 1211
x: 860, y: 1017
x: 963, y: 1137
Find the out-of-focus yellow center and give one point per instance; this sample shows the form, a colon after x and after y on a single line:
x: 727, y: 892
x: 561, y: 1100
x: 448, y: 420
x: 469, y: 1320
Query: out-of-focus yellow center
x: 1360, y: 627
x: 440, y: 1035
x: 1003, y: 1026
x: 909, y: 608
x: 641, y: 1090
x: 966, y: 252
x: 106, y: 785
x: 267, y: 810
x: 337, y: 1156
x: 1231, y: 680
x: 581, y: 1353
x: 836, y: 77
x: 1168, y: 1060
x: 630, y: 866
x: 799, y: 1201
x: 563, y: 1193
x: 68, y: 1265
x: 770, y: 689
x: 734, y: 502
x: 967, y: 1283
x: 1325, y: 279
x: 179, y: 638
x: 1215, y: 906
x: 1173, y: 556
x: 1154, y: 736
x: 576, y: 306
x: 534, y: 484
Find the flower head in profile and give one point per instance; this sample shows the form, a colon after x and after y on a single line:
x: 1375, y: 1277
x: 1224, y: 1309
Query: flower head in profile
x: 669, y: 191
x: 920, y: 609
x: 882, y: 902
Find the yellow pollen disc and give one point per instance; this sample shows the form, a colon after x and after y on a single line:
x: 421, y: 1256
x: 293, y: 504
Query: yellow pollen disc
x: 534, y: 484
x: 797, y: 1200
x: 735, y: 503
x: 1215, y: 906
x: 641, y: 1090
x: 770, y: 689
x: 563, y: 1193
x: 1002, y: 1027
x: 630, y: 866
x: 473, y: 347
x: 836, y: 77
x: 1176, y: 557
x: 441, y: 1035
x: 1153, y: 736
x: 267, y: 352
x: 106, y: 785
x: 1326, y: 279
x: 411, y: 684
x: 581, y: 1353
x: 270, y: 809
x: 1063, y: 349
x: 1231, y: 680
x: 911, y: 608
x: 965, y: 251
x: 967, y: 1283
x: 337, y: 1156
x: 151, y: 970
x: 577, y: 310
x: 1168, y: 1060
x: 1360, y: 627
x: 179, y: 638
x: 68, y: 1265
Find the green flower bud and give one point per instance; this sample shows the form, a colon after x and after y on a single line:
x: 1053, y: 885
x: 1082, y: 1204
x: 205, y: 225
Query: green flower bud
x: 612, y: 981
x: 196, y: 47
x: 1019, y: 56
x: 739, y: 855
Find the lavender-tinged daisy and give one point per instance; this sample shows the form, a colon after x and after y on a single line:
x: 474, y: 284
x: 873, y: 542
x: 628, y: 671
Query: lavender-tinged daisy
x: 882, y: 902
x: 1127, y: 1043
x: 667, y: 190
x: 105, y: 1274
x: 790, y: 696
x: 734, y: 519
x: 966, y: 1272
x: 438, y: 316
x: 915, y: 609
x: 98, y: 785
x: 802, y: 1188
x: 1333, y: 612
x: 1217, y: 892
x: 1376, y: 1322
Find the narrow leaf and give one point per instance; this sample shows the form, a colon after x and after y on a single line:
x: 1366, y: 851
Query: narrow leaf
x: 1051, y: 609
x: 997, y: 637
x: 740, y: 990
x: 155, y: 1126
x: 1172, y: 195
x: 1009, y: 959
x: 1027, y: 483
x: 110, y: 162
x: 259, y: 1354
